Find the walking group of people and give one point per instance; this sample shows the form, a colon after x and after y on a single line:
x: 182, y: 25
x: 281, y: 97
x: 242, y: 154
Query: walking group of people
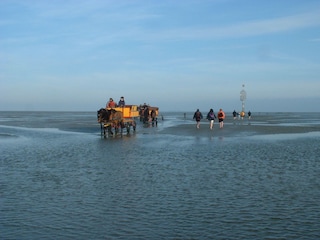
x: 241, y: 114
x: 210, y: 116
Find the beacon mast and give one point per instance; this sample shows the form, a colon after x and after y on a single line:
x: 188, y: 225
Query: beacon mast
x: 243, y: 97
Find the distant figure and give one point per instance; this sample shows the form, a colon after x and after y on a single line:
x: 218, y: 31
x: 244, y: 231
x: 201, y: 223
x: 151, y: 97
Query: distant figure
x: 197, y: 116
x: 211, y: 116
x: 146, y: 115
x: 234, y: 114
x: 249, y: 114
x: 111, y: 104
x: 121, y: 102
x: 184, y: 115
x: 221, y: 117
x: 153, y: 116
x: 242, y: 114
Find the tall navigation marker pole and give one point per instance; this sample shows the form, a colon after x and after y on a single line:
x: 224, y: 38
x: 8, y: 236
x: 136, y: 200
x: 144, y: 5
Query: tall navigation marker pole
x: 243, y: 97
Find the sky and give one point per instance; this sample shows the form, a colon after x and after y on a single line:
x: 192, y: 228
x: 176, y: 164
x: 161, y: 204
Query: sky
x: 178, y: 55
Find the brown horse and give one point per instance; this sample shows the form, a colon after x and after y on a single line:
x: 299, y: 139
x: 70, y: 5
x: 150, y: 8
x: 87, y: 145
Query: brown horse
x: 115, y: 118
x: 107, y: 115
x: 115, y: 115
x: 103, y: 115
x: 109, y: 118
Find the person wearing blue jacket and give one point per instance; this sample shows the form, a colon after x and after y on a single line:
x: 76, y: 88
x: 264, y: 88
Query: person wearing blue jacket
x: 197, y: 116
x: 121, y: 102
x: 211, y: 116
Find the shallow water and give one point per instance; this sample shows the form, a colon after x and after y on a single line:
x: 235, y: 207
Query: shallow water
x: 61, y: 180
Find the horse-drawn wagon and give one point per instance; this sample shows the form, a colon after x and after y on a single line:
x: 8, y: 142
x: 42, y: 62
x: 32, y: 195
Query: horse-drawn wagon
x: 148, y: 114
x: 117, y: 118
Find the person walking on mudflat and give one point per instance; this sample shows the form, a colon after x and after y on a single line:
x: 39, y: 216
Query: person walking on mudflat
x: 234, y: 114
x: 211, y: 116
x: 198, y: 116
x: 221, y: 117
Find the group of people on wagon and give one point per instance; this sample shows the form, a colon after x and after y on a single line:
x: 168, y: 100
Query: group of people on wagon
x: 113, y: 104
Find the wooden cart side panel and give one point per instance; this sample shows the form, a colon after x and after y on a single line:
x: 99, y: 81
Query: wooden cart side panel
x: 128, y: 111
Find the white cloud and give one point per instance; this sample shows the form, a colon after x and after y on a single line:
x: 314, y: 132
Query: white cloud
x: 244, y: 29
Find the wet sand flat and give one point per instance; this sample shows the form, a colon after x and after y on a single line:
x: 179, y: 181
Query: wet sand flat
x: 237, y: 129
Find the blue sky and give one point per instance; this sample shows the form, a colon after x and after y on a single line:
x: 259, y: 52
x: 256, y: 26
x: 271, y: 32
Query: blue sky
x: 177, y: 55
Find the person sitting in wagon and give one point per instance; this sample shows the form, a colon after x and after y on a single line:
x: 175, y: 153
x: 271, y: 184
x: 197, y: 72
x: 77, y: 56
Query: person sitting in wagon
x: 121, y: 102
x: 111, y: 104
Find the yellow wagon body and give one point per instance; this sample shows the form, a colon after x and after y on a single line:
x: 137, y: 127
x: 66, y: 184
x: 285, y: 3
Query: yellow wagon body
x: 128, y: 111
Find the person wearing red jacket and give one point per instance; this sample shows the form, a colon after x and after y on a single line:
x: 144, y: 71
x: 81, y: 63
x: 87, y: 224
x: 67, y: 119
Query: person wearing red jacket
x: 111, y: 104
x: 221, y: 117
